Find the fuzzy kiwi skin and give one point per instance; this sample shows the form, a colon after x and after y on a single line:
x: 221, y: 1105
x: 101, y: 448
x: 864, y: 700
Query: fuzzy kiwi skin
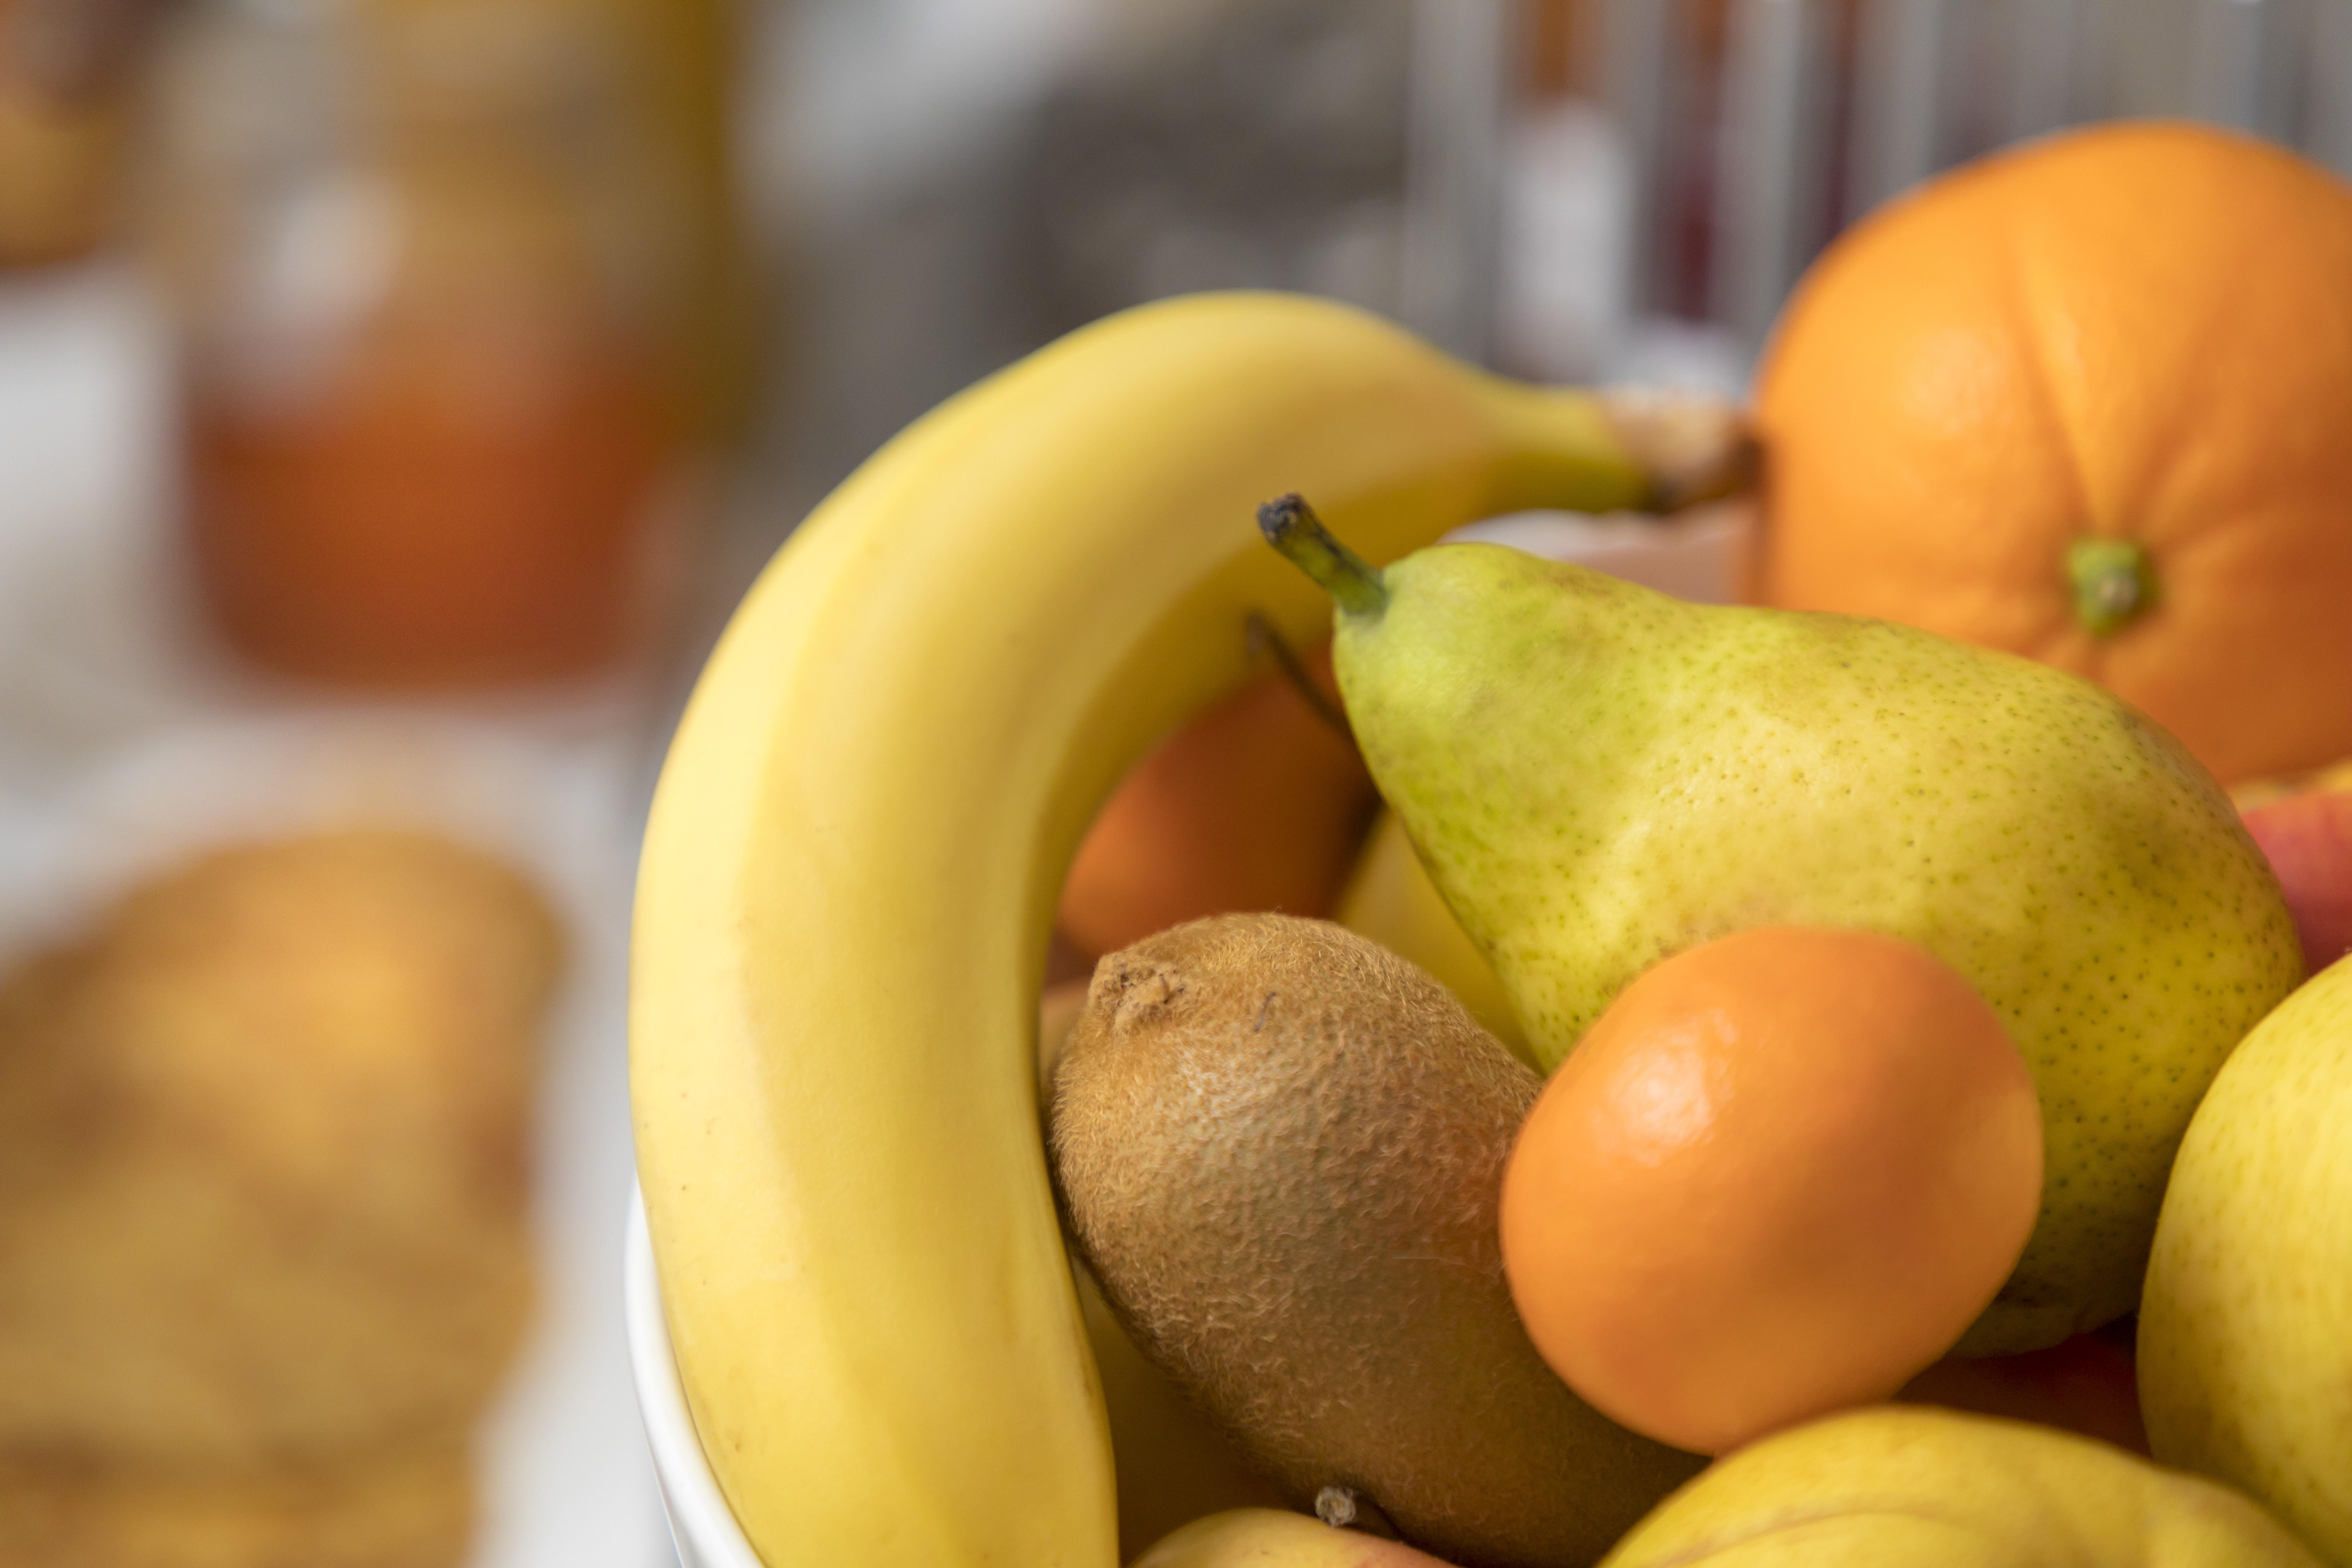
x: 1279, y: 1147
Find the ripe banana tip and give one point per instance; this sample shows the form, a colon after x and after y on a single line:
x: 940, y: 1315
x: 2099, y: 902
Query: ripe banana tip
x: 1291, y: 526
x: 1692, y: 447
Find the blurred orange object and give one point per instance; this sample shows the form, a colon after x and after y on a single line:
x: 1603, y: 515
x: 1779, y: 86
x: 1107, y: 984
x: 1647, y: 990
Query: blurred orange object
x: 433, y: 401
x: 448, y: 510
x: 1778, y: 1176
x: 65, y: 75
x: 1259, y: 803
x: 688, y: 54
x: 2086, y: 401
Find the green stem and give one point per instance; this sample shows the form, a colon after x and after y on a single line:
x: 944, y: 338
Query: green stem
x: 1291, y: 526
x: 2114, y: 581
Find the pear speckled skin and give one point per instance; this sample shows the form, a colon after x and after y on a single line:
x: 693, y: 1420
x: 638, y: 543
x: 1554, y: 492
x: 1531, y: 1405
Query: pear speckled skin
x: 2245, y: 1329
x: 1599, y: 776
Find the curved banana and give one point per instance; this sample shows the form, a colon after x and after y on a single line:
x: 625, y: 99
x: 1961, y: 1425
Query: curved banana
x: 854, y: 853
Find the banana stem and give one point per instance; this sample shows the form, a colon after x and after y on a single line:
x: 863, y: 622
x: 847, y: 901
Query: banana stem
x: 1291, y: 526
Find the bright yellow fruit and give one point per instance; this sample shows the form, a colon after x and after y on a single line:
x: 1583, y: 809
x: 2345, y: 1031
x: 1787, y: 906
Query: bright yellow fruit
x: 2245, y: 1327
x: 1898, y: 1487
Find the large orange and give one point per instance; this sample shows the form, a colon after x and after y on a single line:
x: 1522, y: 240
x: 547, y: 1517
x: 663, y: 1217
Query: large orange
x: 2139, y: 335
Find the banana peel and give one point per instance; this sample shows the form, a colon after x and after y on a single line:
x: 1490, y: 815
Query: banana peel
x: 857, y: 840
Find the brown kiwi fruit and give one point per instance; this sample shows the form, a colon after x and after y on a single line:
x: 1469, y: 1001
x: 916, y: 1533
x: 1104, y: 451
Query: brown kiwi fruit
x: 1279, y: 1147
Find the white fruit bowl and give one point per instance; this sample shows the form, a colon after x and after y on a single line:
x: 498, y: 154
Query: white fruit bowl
x: 705, y: 1530
x: 1694, y: 557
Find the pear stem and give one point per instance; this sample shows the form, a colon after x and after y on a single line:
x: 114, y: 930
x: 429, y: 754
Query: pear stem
x: 1265, y: 640
x: 1291, y: 526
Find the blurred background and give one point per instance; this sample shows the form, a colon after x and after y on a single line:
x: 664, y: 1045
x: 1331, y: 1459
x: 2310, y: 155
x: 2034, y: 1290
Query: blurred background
x: 395, y: 395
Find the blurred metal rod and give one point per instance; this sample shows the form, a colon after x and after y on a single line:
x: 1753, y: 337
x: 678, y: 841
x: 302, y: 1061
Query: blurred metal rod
x: 2233, y: 59
x: 1898, y: 99
x: 1771, y: 175
x: 1643, y: 93
x: 2046, y: 40
x: 1462, y: 58
x: 2328, y: 85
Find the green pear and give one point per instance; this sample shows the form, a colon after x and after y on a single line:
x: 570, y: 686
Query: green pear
x: 1598, y: 775
x: 1934, y: 1489
x: 2245, y: 1327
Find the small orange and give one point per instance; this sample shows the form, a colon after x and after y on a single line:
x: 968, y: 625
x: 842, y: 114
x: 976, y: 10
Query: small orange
x: 2088, y: 401
x: 1258, y: 804
x: 1778, y: 1176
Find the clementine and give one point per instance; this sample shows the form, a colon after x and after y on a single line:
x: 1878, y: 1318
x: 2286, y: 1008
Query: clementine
x: 1778, y: 1176
x: 2088, y: 400
x: 1261, y: 803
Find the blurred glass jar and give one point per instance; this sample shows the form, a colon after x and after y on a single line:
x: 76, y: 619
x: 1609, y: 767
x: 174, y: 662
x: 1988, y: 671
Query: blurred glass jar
x: 66, y: 68
x: 419, y: 262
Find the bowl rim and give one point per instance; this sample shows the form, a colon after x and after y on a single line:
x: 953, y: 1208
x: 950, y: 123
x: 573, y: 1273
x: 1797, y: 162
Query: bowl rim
x: 700, y: 1523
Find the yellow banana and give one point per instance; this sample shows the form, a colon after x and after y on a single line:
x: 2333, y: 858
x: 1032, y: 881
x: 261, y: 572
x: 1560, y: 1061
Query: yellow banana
x: 856, y: 847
